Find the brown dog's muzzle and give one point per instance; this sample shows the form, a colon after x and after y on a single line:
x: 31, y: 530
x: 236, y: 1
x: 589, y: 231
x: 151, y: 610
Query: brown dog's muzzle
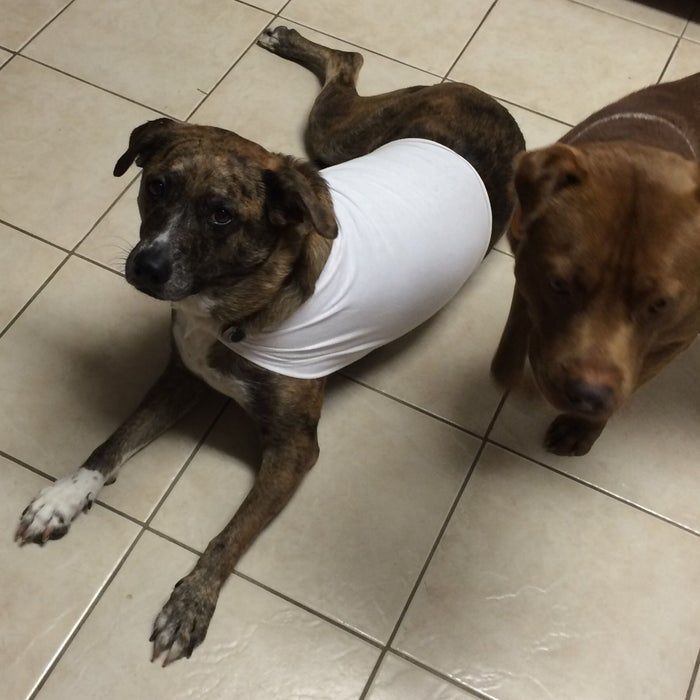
x: 590, y: 388
x: 589, y: 399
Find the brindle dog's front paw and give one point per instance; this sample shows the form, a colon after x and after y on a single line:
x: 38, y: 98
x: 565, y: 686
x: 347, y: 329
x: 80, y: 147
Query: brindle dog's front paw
x: 49, y: 515
x: 183, y: 622
x: 572, y: 436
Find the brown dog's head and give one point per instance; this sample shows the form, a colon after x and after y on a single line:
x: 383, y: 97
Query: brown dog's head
x: 607, y: 245
x: 214, y: 207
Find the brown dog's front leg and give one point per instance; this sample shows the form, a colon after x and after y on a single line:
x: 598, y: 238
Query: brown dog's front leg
x: 509, y: 360
x: 49, y: 515
x: 290, y: 449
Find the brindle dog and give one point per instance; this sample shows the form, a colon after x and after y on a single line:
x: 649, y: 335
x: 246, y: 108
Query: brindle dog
x: 200, y: 186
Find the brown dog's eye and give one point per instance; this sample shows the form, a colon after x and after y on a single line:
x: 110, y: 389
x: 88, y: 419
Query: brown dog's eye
x: 221, y: 217
x: 156, y: 187
x: 559, y: 286
x: 658, y: 306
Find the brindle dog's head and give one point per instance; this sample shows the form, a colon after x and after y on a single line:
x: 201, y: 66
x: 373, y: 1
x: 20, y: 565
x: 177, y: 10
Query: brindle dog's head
x: 607, y: 246
x: 216, y: 208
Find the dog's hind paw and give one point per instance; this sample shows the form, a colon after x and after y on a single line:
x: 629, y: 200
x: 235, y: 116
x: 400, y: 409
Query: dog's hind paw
x: 268, y: 39
x: 277, y: 39
x: 183, y: 622
x: 49, y: 515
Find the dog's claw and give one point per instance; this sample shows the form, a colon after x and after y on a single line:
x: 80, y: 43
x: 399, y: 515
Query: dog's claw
x: 183, y: 622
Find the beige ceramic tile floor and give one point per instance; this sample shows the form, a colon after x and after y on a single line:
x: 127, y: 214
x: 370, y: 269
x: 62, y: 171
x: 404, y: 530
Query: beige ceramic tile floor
x: 436, y: 551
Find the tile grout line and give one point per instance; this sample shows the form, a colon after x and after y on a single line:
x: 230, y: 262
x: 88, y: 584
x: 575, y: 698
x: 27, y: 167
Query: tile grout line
x: 21, y: 463
x: 278, y: 594
x: 668, y: 61
x: 19, y: 51
x: 440, y: 674
x: 693, y: 677
x: 51, y: 21
x: 102, y: 216
x: 69, y: 255
x: 256, y: 7
x: 36, y: 293
x: 510, y: 102
x: 35, y: 236
x: 530, y: 109
x: 415, y: 407
x: 94, y: 85
x: 498, y: 250
x: 624, y: 19
x: 469, y: 40
x: 107, y: 268
x: 182, y: 470
x: 236, y: 62
x: 316, y: 613
x: 595, y: 487
x: 64, y: 647
x: 678, y: 41
x: 103, y: 589
x: 433, y: 549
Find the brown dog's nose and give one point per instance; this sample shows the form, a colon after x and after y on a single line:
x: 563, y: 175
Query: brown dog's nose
x: 151, y: 268
x: 588, y: 398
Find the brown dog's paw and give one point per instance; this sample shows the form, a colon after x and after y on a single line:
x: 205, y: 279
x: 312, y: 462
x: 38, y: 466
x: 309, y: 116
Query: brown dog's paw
x: 183, y: 622
x: 571, y: 436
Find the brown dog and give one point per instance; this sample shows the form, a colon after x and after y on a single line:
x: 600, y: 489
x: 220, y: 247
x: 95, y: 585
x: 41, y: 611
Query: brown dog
x: 606, y: 236
x: 237, y: 238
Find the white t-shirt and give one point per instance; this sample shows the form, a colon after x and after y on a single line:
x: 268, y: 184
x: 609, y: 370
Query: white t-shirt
x: 414, y: 222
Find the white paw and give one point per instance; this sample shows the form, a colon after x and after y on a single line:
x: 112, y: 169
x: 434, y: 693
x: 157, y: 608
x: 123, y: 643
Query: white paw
x: 268, y: 39
x: 49, y: 515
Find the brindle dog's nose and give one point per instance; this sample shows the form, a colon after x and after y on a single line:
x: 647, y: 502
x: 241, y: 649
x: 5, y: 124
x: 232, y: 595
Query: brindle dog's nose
x: 588, y: 398
x: 151, y: 268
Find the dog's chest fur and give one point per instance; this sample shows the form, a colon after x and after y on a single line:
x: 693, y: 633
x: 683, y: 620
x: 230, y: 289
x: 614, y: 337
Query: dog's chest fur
x: 194, y: 333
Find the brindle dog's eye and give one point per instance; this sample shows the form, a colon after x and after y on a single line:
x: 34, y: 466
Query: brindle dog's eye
x: 221, y: 216
x: 156, y: 187
x: 559, y: 286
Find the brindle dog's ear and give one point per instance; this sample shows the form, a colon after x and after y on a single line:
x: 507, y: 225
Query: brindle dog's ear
x: 293, y: 196
x: 143, y: 142
x: 541, y: 175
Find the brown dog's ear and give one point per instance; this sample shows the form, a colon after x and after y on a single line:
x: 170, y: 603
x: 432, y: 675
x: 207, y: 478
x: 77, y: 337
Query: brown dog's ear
x: 291, y: 198
x: 541, y: 175
x: 144, y: 141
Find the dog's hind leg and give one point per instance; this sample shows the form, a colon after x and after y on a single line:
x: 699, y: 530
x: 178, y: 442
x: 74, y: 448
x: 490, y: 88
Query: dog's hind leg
x: 49, y: 515
x: 342, y: 125
x: 337, y: 127
x: 328, y: 65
